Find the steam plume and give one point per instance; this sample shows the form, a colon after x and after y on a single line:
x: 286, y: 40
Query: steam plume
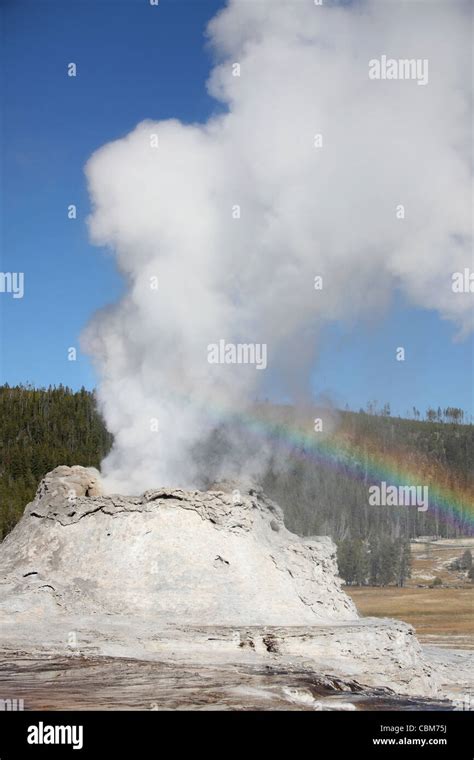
x: 165, y: 199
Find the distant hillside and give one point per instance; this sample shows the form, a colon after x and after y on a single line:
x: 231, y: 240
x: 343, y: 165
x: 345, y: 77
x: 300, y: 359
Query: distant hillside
x: 324, y: 489
x: 320, y: 479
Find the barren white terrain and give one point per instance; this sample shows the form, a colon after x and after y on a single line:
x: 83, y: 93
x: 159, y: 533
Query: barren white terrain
x: 198, y: 586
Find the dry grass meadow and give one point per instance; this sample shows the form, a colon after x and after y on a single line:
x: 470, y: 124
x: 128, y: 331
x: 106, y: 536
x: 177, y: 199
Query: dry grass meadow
x: 443, y: 615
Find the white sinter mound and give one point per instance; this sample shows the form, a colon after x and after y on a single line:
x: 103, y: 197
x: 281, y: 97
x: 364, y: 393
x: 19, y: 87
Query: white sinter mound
x: 191, y: 576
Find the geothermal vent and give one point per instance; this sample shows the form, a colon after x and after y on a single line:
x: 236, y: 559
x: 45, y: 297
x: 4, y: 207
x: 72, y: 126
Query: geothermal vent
x: 181, y: 557
x: 188, y: 576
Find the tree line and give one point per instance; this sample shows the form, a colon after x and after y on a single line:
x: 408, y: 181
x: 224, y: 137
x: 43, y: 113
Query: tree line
x: 448, y: 414
x: 39, y: 430
x: 332, y: 498
x: 378, y: 562
x: 42, y: 428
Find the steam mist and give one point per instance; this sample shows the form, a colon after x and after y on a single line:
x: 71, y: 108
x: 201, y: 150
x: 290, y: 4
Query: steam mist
x: 317, y: 156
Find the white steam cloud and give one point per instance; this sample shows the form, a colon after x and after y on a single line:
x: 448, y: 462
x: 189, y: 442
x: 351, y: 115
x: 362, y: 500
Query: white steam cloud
x: 309, y: 206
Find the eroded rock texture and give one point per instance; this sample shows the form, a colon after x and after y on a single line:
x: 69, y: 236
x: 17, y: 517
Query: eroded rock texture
x: 191, y: 579
x: 175, y: 556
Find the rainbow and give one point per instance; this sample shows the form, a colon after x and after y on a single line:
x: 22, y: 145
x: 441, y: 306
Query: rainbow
x: 363, y: 461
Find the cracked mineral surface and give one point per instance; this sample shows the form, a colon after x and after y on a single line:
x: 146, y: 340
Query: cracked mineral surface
x: 192, y: 578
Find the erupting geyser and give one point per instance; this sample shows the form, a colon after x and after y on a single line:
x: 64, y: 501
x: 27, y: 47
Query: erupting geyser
x: 313, y: 196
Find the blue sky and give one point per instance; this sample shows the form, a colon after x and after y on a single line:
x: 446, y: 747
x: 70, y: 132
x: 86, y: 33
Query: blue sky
x: 135, y: 62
